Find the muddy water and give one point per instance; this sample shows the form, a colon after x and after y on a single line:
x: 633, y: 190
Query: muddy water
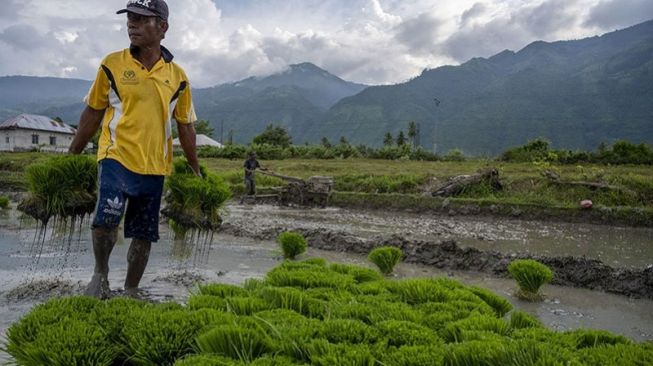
x: 615, y: 246
x: 172, y: 273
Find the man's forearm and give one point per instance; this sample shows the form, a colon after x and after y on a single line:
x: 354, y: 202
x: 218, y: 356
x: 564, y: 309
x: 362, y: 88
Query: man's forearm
x: 89, y: 122
x: 187, y: 141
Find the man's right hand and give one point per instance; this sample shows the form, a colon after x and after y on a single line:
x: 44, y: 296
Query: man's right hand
x: 89, y: 122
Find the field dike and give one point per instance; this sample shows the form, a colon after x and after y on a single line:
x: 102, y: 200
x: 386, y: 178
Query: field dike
x: 627, y: 216
x: 446, y: 254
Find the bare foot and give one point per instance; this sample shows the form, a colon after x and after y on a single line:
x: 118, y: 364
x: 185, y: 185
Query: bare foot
x: 98, y: 287
x: 133, y: 292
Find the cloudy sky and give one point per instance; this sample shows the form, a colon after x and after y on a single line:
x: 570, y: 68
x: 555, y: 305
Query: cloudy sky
x: 367, y: 41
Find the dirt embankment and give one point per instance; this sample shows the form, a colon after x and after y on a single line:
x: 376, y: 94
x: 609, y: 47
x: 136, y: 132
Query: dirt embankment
x: 446, y: 254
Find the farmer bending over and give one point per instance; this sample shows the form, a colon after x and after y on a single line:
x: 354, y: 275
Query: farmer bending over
x: 136, y: 93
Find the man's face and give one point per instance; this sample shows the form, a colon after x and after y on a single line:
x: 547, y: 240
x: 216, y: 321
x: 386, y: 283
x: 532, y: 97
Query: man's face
x: 145, y: 31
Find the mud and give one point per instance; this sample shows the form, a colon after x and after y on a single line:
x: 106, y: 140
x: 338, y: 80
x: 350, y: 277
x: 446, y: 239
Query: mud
x: 40, y: 290
x: 574, y: 271
x: 186, y: 279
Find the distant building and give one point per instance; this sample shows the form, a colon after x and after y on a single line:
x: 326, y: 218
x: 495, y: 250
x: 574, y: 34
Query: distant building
x: 32, y: 132
x: 200, y: 140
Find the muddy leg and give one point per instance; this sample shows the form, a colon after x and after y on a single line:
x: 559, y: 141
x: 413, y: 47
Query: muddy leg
x: 137, y: 257
x: 103, y: 241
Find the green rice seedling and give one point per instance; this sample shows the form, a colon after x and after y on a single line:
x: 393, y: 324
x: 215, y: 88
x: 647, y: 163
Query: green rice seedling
x: 347, y: 331
x: 293, y: 299
x: 245, y: 305
x: 4, y: 202
x: 372, y: 288
x: 195, y: 202
x: 253, y: 284
x: 161, y: 336
x: 360, y: 274
x: 370, y: 311
x: 397, y: 333
x: 45, y: 315
x: 322, y: 353
x: 222, y: 290
x: 206, y: 360
x: 209, y: 317
x: 234, y: 341
x: 292, y: 244
x: 199, y: 301
x: 617, y: 354
x: 320, y: 262
x: 500, y: 305
x: 275, y: 361
x: 521, y: 320
x: 431, y: 355
x: 308, y: 278
x: 67, y: 342
x: 530, y: 276
x: 593, y: 338
x: 419, y: 291
x: 385, y: 258
x: 489, y: 353
x: 453, y: 332
x: 63, y: 186
x: 330, y: 294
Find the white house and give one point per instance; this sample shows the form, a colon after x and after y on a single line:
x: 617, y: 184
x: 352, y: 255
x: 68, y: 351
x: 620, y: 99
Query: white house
x: 32, y: 132
x: 200, y: 140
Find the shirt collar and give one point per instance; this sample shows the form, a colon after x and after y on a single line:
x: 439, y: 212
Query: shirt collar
x: 166, y: 55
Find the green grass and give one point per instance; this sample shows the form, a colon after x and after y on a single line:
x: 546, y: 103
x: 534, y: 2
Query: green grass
x: 524, y: 184
x: 429, y: 321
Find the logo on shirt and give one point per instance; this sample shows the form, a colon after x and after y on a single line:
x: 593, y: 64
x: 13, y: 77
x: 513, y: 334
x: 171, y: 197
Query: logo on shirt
x: 129, y: 77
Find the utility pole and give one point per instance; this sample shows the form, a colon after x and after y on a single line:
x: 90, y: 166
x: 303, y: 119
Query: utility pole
x: 435, y: 146
x: 231, y: 137
x: 222, y: 132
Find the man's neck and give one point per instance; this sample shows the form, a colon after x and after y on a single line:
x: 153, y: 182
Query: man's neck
x: 148, y: 55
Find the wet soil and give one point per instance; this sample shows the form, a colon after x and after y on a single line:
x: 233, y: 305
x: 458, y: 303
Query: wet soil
x: 355, y: 232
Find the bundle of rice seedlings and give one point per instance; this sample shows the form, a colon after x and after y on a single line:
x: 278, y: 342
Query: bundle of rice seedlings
x: 616, y: 354
x: 412, y: 355
x: 500, y: 305
x: 199, y: 301
x: 322, y: 353
x: 592, y: 338
x: 4, y: 202
x: 222, y: 290
x: 385, y: 258
x: 521, y: 320
x: 63, y: 187
x: 292, y: 244
x: 194, y: 202
x: 454, y: 332
x: 246, y: 305
x: 206, y: 360
x: 530, y: 276
x: 308, y: 278
x: 360, y: 274
x: 234, y: 341
x: 397, y: 333
x: 294, y: 299
x: 419, y: 291
x: 347, y: 331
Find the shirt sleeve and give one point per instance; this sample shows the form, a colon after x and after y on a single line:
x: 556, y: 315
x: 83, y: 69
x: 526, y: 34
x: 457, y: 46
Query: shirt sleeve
x: 184, y: 110
x: 98, y: 96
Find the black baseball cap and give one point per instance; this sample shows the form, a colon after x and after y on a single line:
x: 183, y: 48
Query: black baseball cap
x: 148, y: 8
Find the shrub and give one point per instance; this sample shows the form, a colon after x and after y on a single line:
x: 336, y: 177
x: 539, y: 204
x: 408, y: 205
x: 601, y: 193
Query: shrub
x: 4, y: 202
x: 385, y: 258
x: 530, y: 276
x: 292, y: 244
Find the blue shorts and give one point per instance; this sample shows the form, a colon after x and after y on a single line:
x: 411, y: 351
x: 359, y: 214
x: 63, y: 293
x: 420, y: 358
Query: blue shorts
x: 140, y: 194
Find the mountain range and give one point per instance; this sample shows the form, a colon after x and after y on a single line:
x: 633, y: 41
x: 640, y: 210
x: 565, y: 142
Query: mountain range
x: 576, y: 94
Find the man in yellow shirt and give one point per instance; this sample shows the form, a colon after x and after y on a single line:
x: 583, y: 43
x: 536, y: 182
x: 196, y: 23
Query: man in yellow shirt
x: 136, y: 94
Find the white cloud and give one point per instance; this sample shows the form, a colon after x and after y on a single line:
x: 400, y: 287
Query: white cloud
x: 370, y: 41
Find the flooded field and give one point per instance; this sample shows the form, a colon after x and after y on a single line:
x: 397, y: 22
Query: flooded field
x: 245, y: 251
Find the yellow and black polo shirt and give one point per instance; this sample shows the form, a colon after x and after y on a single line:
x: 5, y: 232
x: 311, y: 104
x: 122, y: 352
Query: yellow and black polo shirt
x: 140, y: 105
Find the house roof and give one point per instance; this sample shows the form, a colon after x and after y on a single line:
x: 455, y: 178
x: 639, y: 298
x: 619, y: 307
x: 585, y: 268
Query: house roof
x: 200, y: 140
x: 36, y: 122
